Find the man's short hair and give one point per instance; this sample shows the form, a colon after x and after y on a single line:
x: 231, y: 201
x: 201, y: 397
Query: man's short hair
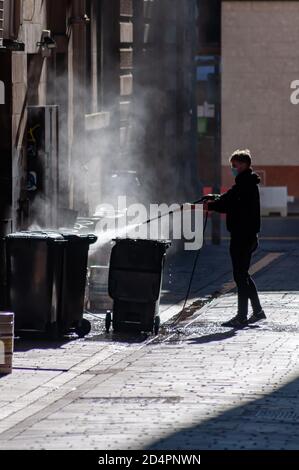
x: 243, y: 156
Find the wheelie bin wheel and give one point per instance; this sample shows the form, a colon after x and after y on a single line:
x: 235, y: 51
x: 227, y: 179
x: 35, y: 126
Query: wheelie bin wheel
x: 157, y: 325
x: 84, y: 328
x: 108, y: 321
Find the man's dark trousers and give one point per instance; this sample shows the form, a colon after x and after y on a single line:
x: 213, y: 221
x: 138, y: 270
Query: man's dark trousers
x: 241, y: 249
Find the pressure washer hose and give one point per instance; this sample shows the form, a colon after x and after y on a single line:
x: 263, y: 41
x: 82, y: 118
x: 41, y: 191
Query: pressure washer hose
x: 195, y: 262
x: 208, y: 197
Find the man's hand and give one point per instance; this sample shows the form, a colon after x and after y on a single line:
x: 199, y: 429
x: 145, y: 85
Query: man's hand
x: 211, y: 197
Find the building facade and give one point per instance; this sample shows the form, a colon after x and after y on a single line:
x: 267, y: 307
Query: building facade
x: 260, y: 61
x: 88, y: 87
x: 165, y: 107
x: 208, y: 87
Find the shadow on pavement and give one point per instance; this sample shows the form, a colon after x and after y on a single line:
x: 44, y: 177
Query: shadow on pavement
x: 213, y: 337
x: 37, y: 342
x: 219, y: 336
x: 267, y: 423
x: 121, y: 337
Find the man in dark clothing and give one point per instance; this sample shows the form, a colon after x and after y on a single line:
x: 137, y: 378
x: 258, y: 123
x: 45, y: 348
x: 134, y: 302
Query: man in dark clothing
x: 241, y: 204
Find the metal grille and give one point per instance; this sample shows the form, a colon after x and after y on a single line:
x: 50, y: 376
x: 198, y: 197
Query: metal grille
x: 126, y: 33
x: 126, y: 8
x: 125, y: 108
x: 148, y: 9
x: 1, y: 22
x: 126, y: 85
x: 272, y: 414
x: 126, y: 58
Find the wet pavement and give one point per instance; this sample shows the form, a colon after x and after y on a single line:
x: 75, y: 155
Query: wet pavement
x: 195, y: 385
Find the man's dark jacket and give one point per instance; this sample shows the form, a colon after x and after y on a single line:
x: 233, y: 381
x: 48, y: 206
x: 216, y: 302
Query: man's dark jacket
x: 241, y: 204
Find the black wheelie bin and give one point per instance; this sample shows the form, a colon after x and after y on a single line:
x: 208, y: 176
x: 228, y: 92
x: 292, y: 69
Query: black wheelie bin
x: 74, y: 282
x: 34, y: 263
x: 135, y: 282
x: 46, y: 278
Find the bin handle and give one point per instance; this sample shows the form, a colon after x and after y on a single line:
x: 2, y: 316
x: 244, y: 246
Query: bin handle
x: 92, y: 239
x: 41, y: 232
x: 52, y: 240
x: 38, y: 232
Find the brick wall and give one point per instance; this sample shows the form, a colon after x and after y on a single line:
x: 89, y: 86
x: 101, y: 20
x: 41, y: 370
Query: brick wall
x: 260, y: 59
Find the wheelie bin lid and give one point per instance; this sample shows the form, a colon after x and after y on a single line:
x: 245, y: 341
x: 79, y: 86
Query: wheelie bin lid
x: 36, y: 235
x: 166, y: 243
x: 69, y: 235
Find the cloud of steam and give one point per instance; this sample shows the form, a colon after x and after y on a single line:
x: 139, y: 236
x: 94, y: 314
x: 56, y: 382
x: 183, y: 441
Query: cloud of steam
x: 146, y: 143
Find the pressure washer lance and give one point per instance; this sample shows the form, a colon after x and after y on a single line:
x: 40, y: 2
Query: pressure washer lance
x: 208, y: 197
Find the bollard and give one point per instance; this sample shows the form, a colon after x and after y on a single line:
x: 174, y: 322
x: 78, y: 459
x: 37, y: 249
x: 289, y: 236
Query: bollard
x: 6, y: 342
